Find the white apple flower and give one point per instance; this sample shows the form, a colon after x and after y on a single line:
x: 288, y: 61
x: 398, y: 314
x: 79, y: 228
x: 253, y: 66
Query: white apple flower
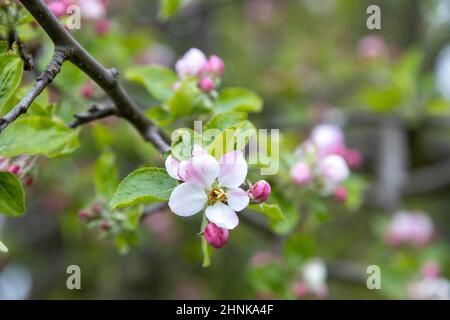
x: 92, y: 9
x: 326, y: 137
x: 314, y: 274
x: 209, y: 183
x: 414, y: 228
x: 191, y: 64
x: 333, y: 170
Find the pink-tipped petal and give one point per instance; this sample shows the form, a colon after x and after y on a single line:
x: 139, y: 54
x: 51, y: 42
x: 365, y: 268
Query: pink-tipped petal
x: 222, y: 215
x: 187, y: 199
x: 172, y: 166
x: 237, y: 199
x: 233, y: 169
x: 201, y: 170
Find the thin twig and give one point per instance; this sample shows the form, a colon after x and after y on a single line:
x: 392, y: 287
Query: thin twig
x: 41, y: 83
x: 27, y: 58
x: 93, y: 113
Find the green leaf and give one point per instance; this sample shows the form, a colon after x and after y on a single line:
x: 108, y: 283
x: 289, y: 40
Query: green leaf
x: 11, y: 69
x: 272, y: 211
x: 225, y: 120
x: 238, y: 99
x: 159, y: 115
x: 105, y: 175
x: 184, y: 100
x: 143, y: 186
x: 157, y: 80
x: 168, y: 8
x: 12, y: 197
x: 232, y: 138
x: 34, y: 135
x: 3, y: 248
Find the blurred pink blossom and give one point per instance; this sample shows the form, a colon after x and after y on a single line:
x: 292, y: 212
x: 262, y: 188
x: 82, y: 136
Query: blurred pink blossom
x: 411, y: 228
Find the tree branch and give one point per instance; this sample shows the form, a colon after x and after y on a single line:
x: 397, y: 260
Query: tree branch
x: 93, y: 113
x: 42, y: 82
x: 105, y: 78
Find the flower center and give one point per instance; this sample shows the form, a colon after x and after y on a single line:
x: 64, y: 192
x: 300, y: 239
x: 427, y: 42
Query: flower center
x: 217, y: 194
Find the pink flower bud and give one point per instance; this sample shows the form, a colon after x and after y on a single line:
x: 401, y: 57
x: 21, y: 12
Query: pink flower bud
x: 353, y: 158
x: 87, y: 91
x: 299, y: 289
x: 191, y: 64
x: 58, y: 8
x: 104, y: 225
x: 216, y: 236
x: 102, y: 27
x: 301, y: 174
x: 83, y: 214
x: 370, y: 47
x: 29, y: 181
x: 340, y: 194
x: 214, y: 66
x: 96, y: 210
x: 260, y: 191
x: 14, y: 169
x: 431, y: 270
x: 206, y: 84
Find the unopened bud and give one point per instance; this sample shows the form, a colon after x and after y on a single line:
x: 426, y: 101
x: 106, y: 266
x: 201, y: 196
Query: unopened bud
x: 102, y: 27
x: 206, y: 84
x: 83, y: 214
x: 87, y: 91
x: 216, y: 236
x: 29, y: 181
x: 14, y: 169
x: 260, y: 191
x: 300, y: 289
x: 340, y: 194
x: 214, y: 66
x: 104, y: 225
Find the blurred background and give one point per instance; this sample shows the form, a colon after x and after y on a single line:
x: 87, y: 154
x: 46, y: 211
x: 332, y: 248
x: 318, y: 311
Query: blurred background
x: 311, y: 62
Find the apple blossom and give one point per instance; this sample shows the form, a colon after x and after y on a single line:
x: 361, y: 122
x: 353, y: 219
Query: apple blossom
x: 333, y: 170
x: 102, y: 27
x: 409, y: 228
x: 301, y: 174
x: 206, y: 84
x: 326, y: 137
x: 314, y: 274
x: 430, y: 289
x: 191, y: 64
x: 431, y: 270
x: 371, y: 46
x: 92, y: 9
x: 211, y: 184
x: 216, y: 236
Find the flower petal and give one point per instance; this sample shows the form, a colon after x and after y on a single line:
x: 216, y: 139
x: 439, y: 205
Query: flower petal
x: 233, y: 169
x: 198, y: 151
x: 201, y: 170
x: 172, y: 165
x: 187, y: 199
x: 237, y: 199
x: 222, y: 215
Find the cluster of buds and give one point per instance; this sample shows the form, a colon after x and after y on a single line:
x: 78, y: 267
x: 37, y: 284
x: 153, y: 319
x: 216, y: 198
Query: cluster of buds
x: 313, y: 280
x: 411, y: 228
x: 90, y: 10
x: 325, y: 161
x: 96, y: 216
x: 21, y: 166
x: 431, y: 286
x: 195, y: 64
